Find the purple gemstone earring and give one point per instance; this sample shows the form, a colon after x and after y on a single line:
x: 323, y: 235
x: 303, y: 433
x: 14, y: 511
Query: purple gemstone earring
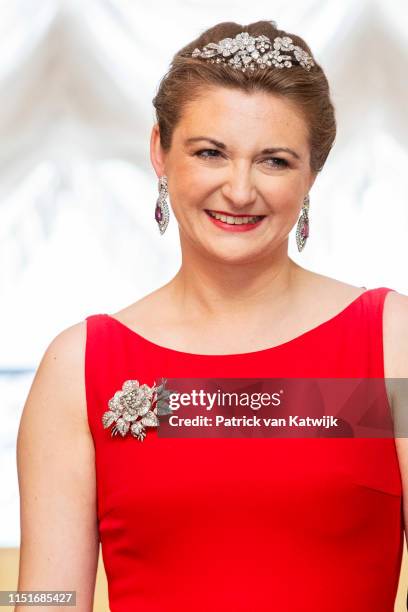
x: 302, y: 229
x: 161, y: 213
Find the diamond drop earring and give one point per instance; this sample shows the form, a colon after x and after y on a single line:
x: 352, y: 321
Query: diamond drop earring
x: 161, y: 213
x: 302, y: 228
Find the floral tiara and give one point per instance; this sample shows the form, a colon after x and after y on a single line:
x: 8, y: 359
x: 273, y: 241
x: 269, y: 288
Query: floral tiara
x: 249, y: 52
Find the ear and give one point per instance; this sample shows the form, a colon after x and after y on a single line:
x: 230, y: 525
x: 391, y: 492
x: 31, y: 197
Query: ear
x: 157, y: 156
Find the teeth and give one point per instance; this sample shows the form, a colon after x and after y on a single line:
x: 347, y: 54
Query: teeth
x: 234, y: 220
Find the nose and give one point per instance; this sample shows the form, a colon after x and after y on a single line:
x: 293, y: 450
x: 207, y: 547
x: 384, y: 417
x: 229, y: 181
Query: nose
x: 239, y: 188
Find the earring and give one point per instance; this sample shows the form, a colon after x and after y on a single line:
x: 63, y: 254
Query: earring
x: 161, y: 213
x: 302, y: 229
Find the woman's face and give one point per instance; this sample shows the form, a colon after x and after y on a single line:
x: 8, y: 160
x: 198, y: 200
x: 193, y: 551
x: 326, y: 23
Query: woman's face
x: 238, y: 154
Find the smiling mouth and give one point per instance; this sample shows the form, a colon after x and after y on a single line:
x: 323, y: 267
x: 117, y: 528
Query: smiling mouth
x: 234, y: 219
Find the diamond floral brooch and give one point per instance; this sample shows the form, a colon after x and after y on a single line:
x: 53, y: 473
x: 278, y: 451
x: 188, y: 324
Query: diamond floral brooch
x: 136, y: 407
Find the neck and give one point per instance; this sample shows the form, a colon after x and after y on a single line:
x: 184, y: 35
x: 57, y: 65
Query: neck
x: 205, y: 288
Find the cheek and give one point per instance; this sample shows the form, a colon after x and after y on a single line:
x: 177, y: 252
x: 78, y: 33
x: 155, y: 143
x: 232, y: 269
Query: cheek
x: 192, y: 177
x: 284, y: 206
x: 282, y: 196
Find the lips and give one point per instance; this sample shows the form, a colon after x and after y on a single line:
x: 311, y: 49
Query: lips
x: 238, y: 226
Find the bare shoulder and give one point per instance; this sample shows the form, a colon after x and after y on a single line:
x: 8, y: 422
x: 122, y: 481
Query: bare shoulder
x: 145, y: 310
x: 60, y: 376
x: 395, y: 335
x: 328, y: 285
x: 318, y: 290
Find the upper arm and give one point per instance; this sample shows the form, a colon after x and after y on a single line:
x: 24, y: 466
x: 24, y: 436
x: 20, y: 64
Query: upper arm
x: 59, y: 544
x: 396, y: 367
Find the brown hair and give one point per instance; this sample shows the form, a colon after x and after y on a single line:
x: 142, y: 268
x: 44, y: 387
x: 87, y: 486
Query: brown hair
x: 188, y: 77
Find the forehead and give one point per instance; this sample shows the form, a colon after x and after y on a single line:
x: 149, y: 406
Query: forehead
x: 233, y: 114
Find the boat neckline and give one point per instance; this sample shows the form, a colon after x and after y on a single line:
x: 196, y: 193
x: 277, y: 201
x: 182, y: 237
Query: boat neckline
x: 263, y: 351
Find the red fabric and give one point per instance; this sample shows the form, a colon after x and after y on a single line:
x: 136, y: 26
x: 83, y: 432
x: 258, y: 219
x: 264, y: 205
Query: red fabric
x: 246, y: 523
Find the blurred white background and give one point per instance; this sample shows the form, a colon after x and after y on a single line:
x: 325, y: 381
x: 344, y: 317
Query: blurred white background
x: 77, y: 190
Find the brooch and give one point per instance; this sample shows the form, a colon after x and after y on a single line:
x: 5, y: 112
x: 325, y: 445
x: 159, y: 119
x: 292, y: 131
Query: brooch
x: 136, y: 407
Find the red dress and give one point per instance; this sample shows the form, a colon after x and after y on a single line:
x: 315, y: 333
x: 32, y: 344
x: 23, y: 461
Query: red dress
x: 246, y: 524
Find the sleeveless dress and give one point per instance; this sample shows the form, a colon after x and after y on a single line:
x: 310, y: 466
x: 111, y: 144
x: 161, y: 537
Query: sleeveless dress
x: 246, y: 524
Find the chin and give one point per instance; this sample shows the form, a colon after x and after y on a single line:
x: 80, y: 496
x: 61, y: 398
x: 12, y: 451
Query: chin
x: 234, y: 256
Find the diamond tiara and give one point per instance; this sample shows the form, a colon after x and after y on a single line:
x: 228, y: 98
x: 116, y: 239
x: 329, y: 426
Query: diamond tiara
x: 249, y: 52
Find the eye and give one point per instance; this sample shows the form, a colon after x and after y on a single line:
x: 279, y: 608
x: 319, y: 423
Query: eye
x: 200, y: 153
x: 281, y: 162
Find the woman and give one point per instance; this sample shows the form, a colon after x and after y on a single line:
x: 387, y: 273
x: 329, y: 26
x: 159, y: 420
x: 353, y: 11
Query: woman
x: 238, y: 524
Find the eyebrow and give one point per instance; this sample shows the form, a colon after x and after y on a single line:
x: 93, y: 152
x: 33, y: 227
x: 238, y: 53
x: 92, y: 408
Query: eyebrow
x: 221, y: 145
